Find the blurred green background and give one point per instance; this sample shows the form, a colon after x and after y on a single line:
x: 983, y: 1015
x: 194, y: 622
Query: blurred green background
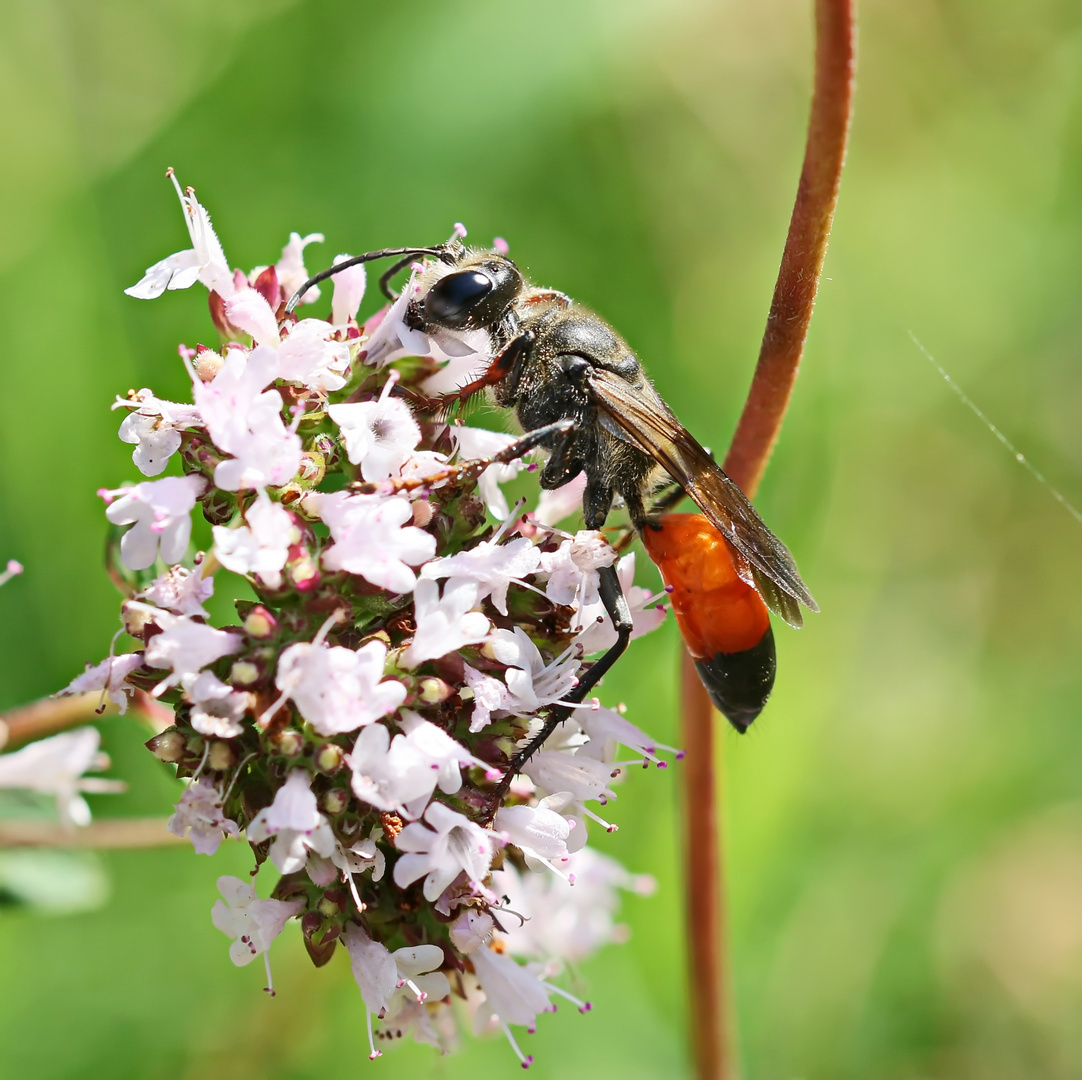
x: 905, y: 821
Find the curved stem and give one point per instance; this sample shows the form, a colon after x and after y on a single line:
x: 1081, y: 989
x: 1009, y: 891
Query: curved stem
x: 50, y: 715
x: 753, y: 442
x: 805, y: 246
x: 115, y: 833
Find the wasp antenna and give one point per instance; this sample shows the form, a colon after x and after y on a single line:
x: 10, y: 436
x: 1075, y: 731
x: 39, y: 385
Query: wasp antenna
x: 437, y: 251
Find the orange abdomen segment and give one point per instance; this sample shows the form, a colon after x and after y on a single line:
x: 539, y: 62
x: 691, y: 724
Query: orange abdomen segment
x: 723, y: 620
x: 715, y: 610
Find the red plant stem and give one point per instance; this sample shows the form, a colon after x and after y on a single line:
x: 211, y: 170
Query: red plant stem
x: 50, y: 715
x: 753, y: 442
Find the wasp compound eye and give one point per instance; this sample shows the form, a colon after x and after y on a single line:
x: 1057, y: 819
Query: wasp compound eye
x: 451, y: 301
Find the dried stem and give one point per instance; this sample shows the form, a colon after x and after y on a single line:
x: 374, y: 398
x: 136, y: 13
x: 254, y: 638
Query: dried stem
x: 756, y: 434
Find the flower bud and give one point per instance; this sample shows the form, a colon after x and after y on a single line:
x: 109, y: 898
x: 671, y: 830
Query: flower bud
x: 287, y: 743
x: 335, y: 801
x: 244, y: 673
x: 168, y: 746
x: 199, y: 455
x: 260, y: 623
x: 329, y: 758
x: 207, y: 363
x: 313, y: 469
x: 303, y: 572
x: 433, y: 691
x: 326, y: 447
x: 218, y: 507
x: 221, y: 756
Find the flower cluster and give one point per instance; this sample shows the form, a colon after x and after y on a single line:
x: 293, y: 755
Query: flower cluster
x: 394, y: 649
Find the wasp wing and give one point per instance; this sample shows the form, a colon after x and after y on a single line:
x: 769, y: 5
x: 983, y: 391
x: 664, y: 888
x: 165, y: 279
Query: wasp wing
x: 644, y: 418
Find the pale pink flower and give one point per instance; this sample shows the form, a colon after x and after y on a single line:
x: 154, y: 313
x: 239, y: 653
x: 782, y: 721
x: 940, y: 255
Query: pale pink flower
x: 531, y: 682
x: 489, y: 694
x: 204, y: 261
x: 186, y: 646
x: 181, y: 590
x: 159, y: 512
x: 295, y: 823
x: 445, y: 623
x: 290, y: 267
x: 584, y: 777
x: 492, y: 565
x: 447, y: 845
x: 338, y: 689
x: 372, y: 538
x: 217, y: 709
x: 261, y: 546
x: 55, y: 766
x: 349, y: 286
x: 380, y: 435
x: 199, y: 816
x: 109, y: 676
x: 513, y: 994
x: 554, y: 505
x: 444, y: 756
x: 573, y: 567
x: 310, y: 356
x: 253, y: 923
x: 389, y: 773
x: 538, y: 832
x: 154, y: 427
x: 245, y: 420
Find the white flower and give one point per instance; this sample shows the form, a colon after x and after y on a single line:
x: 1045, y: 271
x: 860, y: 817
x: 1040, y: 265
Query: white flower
x: 380, y: 435
x: 55, y: 766
x: 349, y: 286
x: 181, y: 590
x: 606, y: 728
x: 295, y: 823
x: 290, y: 267
x: 249, y: 311
x: 489, y: 694
x: 563, y: 921
x: 338, y: 689
x: 492, y: 565
x: 388, y: 979
x: 199, y: 816
x: 597, y: 632
x: 514, y: 994
x: 362, y: 856
x: 444, y: 624
x: 388, y: 774
x: 254, y: 923
x: 372, y: 538
x: 573, y: 567
x: 471, y: 930
x: 154, y: 426
x: 186, y: 646
x: 531, y: 683
x: 159, y: 512
x: 111, y: 676
x: 452, y: 845
x: 245, y: 420
x: 444, y: 756
x: 309, y: 356
x: 584, y: 777
x: 261, y: 546
x: 306, y: 354
x: 217, y: 708
x: 476, y: 443
x: 204, y: 261
x: 538, y: 832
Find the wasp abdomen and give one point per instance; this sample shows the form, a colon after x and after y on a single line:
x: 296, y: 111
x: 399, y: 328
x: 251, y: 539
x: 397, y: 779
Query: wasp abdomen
x: 723, y: 620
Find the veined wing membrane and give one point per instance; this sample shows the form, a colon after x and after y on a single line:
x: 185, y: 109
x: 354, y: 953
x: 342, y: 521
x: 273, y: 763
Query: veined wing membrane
x: 647, y: 422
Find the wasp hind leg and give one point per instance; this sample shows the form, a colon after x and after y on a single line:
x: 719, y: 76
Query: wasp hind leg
x: 596, y: 504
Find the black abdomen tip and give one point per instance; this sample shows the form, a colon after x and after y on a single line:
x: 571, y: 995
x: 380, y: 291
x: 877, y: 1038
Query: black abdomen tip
x: 740, y: 683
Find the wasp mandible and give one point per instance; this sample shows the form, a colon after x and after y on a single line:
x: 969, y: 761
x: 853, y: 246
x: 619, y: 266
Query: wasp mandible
x: 555, y: 361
